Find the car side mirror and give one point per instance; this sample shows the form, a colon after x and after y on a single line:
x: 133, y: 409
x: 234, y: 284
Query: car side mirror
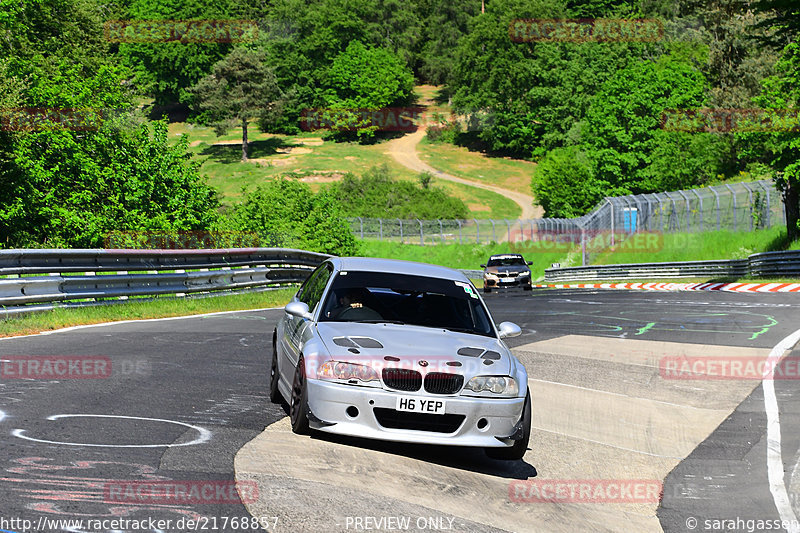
x: 508, y: 329
x: 483, y: 266
x: 529, y: 263
x: 298, y: 309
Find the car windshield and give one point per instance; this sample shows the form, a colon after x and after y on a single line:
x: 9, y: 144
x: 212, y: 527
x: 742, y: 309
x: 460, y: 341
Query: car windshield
x: 506, y: 261
x: 405, y: 299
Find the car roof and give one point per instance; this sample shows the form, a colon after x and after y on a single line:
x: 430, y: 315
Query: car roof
x: 503, y: 256
x: 396, y: 266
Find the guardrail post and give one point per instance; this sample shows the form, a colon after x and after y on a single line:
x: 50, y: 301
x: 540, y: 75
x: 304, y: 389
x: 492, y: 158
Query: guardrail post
x: 508, y: 227
x: 380, y: 228
x: 478, y: 230
x: 421, y: 235
x: 494, y: 235
x: 361, y: 222
x: 401, y: 229
x: 460, y: 239
x: 441, y: 231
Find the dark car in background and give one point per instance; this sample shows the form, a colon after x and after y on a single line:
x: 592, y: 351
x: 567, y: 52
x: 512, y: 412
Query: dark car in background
x: 506, y: 270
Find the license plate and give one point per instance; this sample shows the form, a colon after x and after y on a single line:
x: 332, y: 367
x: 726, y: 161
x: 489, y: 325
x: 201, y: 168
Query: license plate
x: 420, y: 405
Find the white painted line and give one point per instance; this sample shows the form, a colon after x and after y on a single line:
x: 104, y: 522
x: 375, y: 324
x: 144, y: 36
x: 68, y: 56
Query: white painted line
x: 204, y: 435
x: 775, y: 473
x: 71, y: 328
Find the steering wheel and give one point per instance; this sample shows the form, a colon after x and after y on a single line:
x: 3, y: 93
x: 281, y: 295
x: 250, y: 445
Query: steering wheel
x: 359, y: 313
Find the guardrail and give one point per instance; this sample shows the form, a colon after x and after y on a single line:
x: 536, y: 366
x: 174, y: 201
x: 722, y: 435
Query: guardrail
x: 46, y: 276
x: 761, y: 265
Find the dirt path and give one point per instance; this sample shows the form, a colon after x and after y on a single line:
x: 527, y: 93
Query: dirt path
x: 404, y: 150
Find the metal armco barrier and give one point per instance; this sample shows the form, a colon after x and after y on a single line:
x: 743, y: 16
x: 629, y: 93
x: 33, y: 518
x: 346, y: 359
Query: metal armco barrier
x: 164, y: 272
x: 762, y: 265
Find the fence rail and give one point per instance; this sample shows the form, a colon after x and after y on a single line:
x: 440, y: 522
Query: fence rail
x: 762, y: 265
x: 744, y: 206
x: 46, y: 276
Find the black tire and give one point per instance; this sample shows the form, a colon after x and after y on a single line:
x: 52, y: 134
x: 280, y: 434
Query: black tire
x: 517, y: 451
x: 298, y: 406
x: 527, y: 287
x: 274, y: 393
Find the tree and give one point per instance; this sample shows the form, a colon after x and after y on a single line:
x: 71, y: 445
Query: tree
x: 780, y: 148
x: 622, y: 129
x: 365, y: 79
x: 286, y: 213
x: 240, y: 87
x: 166, y: 70
x: 564, y: 183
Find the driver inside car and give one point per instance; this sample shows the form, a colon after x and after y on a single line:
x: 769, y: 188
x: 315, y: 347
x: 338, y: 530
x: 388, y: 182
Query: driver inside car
x: 351, y: 306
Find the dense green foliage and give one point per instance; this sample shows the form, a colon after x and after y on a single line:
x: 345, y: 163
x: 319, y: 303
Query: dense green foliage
x: 377, y: 195
x: 590, y: 112
x: 285, y: 213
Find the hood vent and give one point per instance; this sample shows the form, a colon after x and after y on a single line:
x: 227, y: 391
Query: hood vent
x: 479, y: 352
x: 357, y: 342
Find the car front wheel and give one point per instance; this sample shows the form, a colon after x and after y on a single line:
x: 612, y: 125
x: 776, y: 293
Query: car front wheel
x: 298, y: 408
x: 274, y: 393
x: 517, y: 451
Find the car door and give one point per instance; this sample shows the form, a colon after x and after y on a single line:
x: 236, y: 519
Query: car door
x: 310, y: 293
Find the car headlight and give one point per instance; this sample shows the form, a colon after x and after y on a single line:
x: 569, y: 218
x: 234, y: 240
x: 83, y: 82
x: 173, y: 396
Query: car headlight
x: 489, y: 275
x: 346, y: 371
x: 524, y: 274
x: 505, y: 385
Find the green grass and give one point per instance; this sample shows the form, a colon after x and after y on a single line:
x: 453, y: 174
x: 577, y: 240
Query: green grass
x: 699, y: 246
x: 481, y: 203
x: 317, y: 162
x: 464, y: 256
x: 504, y: 172
x: 136, y: 310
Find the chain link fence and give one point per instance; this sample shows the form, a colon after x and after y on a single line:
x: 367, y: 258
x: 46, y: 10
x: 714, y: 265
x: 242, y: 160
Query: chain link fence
x: 744, y: 206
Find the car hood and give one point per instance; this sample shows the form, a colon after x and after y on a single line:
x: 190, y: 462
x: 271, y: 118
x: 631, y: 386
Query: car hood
x: 513, y: 268
x: 412, y: 344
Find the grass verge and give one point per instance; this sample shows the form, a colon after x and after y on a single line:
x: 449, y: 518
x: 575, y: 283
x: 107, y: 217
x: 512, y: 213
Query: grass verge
x: 136, y: 310
x: 464, y: 256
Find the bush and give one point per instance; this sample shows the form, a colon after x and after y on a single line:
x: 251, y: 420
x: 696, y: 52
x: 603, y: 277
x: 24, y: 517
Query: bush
x: 285, y: 213
x: 564, y: 183
x: 377, y: 195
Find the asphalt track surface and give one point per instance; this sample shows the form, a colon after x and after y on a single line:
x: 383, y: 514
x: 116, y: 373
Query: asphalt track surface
x: 184, y: 396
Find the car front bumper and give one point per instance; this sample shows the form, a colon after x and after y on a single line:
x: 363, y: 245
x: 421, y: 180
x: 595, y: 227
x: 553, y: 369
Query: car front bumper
x: 495, y: 283
x: 329, y: 401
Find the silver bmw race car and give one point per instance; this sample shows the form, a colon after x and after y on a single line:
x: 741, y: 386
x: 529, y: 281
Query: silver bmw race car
x: 399, y: 351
